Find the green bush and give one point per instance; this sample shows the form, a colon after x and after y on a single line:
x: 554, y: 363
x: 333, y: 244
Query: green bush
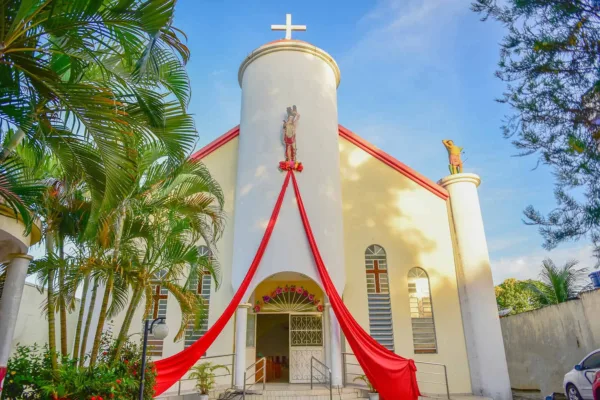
x: 30, y: 376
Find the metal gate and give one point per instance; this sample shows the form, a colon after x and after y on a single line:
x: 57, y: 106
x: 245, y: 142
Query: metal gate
x: 306, y: 341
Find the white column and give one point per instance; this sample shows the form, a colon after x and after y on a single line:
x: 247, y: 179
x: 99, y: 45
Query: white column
x: 335, y: 348
x: 327, y: 334
x: 241, y: 321
x: 485, y: 347
x: 10, y: 302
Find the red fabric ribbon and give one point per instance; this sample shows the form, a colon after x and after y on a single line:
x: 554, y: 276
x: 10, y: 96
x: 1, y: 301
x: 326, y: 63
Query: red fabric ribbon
x: 171, y: 369
x: 394, y: 377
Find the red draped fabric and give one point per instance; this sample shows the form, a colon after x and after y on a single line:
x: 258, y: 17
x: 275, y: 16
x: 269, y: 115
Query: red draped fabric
x: 393, y: 376
x: 169, y: 370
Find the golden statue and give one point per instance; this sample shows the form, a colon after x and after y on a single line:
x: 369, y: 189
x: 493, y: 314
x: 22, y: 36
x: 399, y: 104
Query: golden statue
x: 456, y: 165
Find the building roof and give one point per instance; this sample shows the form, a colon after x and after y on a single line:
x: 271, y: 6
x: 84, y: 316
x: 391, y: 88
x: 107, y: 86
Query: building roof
x: 354, y: 139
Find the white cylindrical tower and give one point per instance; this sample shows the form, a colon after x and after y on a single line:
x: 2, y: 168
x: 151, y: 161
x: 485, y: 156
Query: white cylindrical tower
x: 278, y: 75
x: 483, y: 335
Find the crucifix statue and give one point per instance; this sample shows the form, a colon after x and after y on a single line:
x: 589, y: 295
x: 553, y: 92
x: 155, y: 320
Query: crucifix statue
x: 288, y: 27
x: 289, y: 133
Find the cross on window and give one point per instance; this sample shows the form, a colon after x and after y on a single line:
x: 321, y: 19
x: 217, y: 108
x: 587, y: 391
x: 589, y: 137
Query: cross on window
x: 376, y: 271
x: 157, y: 297
x: 200, y: 281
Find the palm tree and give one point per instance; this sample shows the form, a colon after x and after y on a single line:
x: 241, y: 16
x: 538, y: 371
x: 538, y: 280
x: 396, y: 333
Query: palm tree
x: 74, y: 72
x: 165, y: 190
x: 558, y: 284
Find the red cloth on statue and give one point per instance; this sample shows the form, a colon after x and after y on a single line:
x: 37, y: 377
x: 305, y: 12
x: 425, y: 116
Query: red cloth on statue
x: 169, y: 370
x: 394, y: 377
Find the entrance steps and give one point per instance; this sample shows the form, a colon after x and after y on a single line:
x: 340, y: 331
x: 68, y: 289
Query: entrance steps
x: 293, y: 392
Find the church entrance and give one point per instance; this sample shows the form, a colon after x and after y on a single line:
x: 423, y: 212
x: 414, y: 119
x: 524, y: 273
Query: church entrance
x: 288, y: 327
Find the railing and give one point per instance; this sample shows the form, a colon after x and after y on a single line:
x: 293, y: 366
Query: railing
x: 345, y: 365
x: 312, y: 378
x: 230, y: 367
x: 263, y: 376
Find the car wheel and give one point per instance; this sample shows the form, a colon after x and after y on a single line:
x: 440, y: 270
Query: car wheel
x: 573, y: 393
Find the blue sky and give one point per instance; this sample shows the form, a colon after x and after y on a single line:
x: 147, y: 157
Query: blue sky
x: 414, y: 72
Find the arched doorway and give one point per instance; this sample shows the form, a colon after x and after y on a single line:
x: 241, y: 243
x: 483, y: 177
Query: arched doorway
x: 287, y: 315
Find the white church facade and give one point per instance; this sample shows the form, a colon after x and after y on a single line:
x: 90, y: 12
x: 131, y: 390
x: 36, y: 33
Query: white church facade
x: 408, y: 255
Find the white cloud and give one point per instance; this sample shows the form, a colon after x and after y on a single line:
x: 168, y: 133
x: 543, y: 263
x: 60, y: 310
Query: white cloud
x: 401, y: 26
x: 527, y: 265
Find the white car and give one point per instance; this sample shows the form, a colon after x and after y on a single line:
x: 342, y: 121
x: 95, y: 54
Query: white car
x: 578, y: 381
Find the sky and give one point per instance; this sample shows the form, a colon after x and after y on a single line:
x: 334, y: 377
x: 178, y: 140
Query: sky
x: 414, y: 72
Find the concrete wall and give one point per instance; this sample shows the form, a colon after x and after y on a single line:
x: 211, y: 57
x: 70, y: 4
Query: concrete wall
x: 542, y: 345
x: 382, y: 206
x: 32, y: 326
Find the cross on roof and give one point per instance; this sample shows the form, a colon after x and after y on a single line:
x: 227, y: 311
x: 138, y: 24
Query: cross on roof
x: 288, y: 27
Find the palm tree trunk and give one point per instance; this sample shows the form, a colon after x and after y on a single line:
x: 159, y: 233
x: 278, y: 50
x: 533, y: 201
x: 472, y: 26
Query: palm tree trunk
x: 122, y: 338
x: 88, y: 323
x: 101, y: 319
x: 86, y: 285
x: 62, y: 304
x: 51, y: 310
x: 109, y: 285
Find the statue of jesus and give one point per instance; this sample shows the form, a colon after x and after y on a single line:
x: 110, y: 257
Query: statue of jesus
x: 289, y: 133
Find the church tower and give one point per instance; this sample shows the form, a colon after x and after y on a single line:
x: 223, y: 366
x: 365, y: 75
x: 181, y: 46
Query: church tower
x: 289, y: 82
x: 281, y: 74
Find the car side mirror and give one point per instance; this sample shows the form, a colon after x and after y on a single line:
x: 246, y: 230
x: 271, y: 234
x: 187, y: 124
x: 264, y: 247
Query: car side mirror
x: 578, y: 367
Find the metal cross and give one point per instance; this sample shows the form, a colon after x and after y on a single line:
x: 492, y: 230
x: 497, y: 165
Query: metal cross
x: 157, y: 297
x: 376, y: 271
x: 288, y: 27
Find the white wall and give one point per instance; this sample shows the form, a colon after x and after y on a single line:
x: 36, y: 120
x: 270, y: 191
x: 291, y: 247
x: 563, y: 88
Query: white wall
x: 32, y: 325
x: 543, y: 345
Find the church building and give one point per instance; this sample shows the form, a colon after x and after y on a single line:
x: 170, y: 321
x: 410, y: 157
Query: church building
x: 407, y: 254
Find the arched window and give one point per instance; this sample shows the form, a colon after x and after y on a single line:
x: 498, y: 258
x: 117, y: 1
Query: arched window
x: 421, y: 311
x: 200, y: 284
x: 378, y: 293
x: 160, y: 295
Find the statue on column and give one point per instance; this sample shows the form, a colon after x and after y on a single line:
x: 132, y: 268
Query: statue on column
x: 456, y: 165
x: 289, y: 140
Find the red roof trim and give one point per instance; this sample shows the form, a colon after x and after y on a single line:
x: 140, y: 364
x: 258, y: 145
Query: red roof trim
x: 215, y: 144
x: 393, y: 163
x: 352, y: 138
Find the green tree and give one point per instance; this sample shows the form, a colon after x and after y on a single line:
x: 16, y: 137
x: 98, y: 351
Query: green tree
x: 550, y: 60
x: 559, y: 284
x: 517, y: 296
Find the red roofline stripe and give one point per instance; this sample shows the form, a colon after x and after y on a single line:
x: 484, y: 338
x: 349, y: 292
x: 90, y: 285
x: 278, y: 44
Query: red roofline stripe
x: 215, y: 144
x: 393, y: 163
x: 352, y: 138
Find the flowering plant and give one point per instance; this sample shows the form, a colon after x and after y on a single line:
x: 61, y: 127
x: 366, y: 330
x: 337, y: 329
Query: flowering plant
x: 289, y: 292
x: 290, y: 166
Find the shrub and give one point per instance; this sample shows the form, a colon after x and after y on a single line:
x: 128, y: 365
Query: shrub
x: 30, y: 375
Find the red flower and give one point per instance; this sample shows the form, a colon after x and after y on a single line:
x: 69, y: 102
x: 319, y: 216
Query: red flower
x: 320, y: 308
x: 311, y: 297
x: 118, y: 381
x: 126, y: 362
x: 305, y: 293
x: 257, y: 308
x: 93, y: 398
x: 100, y: 398
x: 317, y: 301
x: 299, y: 290
x: 112, y: 395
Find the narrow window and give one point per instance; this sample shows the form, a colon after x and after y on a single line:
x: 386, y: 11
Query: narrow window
x: 421, y: 312
x: 201, y: 284
x: 378, y: 292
